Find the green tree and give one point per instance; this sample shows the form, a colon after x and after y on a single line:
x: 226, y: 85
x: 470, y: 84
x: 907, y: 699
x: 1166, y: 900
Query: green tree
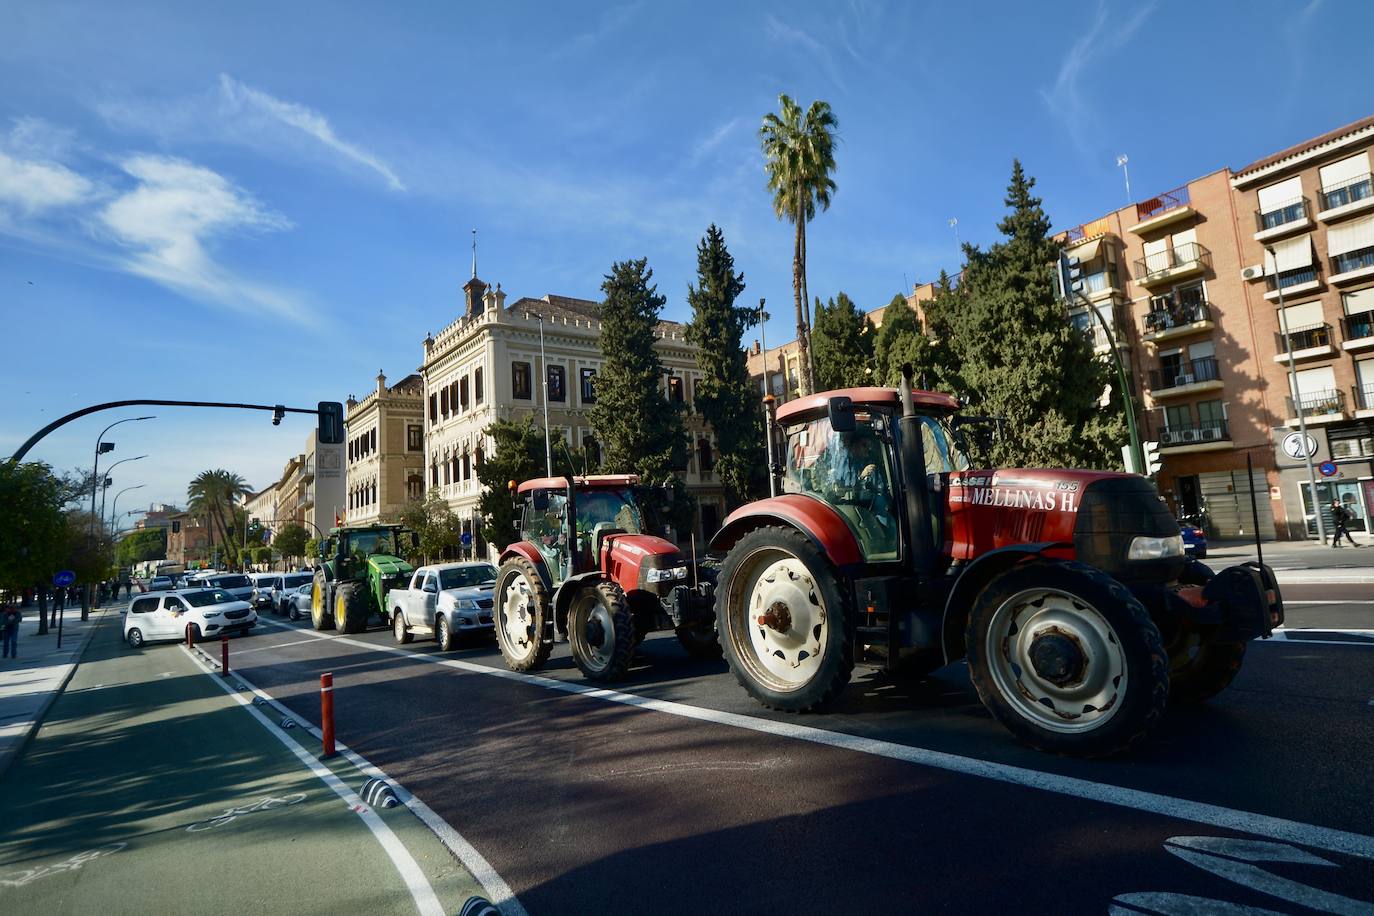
x: 262, y: 555
x: 724, y: 394
x: 312, y: 548
x: 33, y: 528
x: 433, y: 522
x: 1018, y: 356
x: 895, y: 340
x: 213, y: 495
x: 799, y: 155
x: 517, y: 455
x: 292, y: 540
x: 639, y: 429
x: 142, y: 544
x: 842, y: 345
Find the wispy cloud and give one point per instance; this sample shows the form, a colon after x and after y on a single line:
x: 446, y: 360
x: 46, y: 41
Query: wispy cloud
x: 612, y: 20
x: 31, y: 178
x: 1105, y: 34
x: 708, y: 144
x: 238, y: 98
x: 784, y: 33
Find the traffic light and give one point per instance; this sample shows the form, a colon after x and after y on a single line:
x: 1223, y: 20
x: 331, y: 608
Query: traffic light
x: 1152, y: 460
x: 331, y: 428
x: 1070, y: 276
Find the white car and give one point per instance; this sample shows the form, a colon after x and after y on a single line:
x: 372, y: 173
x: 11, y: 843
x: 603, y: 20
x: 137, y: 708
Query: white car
x: 297, y: 601
x: 449, y: 600
x: 285, y: 585
x: 160, y: 584
x: 208, y: 611
x: 236, y: 584
x: 262, y: 589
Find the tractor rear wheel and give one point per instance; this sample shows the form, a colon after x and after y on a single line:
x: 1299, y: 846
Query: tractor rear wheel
x: 601, y: 632
x: 320, y: 617
x: 351, y: 607
x: 700, y: 640
x: 1067, y: 659
x: 780, y: 612
x: 522, y: 615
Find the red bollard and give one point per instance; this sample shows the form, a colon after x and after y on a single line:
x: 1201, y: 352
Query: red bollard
x: 224, y: 655
x: 327, y: 715
x: 190, y: 637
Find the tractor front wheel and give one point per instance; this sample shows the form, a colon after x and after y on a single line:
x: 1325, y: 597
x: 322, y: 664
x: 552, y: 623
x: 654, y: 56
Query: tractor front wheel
x: 320, y: 618
x: 351, y: 607
x: 1067, y: 659
x: 780, y: 612
x: 601, y: 632
x: 522, y: 615
x: 1202, y: 666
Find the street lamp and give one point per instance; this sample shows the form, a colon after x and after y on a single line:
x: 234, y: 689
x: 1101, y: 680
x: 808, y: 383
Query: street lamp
x: 101, y: 447
x: 544, y: 368
x: 1297, y: 401
x: 114, y: 508
x: 106, y: 488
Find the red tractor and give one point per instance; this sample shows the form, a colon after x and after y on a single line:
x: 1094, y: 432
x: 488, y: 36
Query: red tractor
x: 585, y: 567
x: 1067, y: 591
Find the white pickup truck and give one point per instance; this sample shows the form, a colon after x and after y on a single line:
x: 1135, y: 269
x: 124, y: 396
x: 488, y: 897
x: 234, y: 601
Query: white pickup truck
x: 452, y: 601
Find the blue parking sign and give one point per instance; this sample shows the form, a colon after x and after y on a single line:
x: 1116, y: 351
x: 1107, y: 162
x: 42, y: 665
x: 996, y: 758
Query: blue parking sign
x: 1328, y: 468
x: 64, y: 578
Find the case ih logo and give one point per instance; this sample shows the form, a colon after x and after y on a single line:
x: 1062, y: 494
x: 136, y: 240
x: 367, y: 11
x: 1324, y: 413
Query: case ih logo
x: 1045, y: 496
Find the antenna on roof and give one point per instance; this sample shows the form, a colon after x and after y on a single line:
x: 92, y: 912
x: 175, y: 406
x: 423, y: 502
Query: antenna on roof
x: 474, y: 254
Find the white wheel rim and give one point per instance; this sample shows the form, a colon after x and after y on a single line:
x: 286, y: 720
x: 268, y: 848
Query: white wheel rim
x: 441, y: 631
x: 400, y: 627
x: 785, y: 655
x: 589, y: 612
x: 1079, y: 703
x: 517, y: 617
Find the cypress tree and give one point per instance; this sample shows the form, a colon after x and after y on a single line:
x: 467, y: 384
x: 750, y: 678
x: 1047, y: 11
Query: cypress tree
x: 725, y: 396
x: 841, y: 344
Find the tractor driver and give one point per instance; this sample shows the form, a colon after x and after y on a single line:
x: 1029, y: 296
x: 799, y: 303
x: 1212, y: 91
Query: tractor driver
x: 858, y: 476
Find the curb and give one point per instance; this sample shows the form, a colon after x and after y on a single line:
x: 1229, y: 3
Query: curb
x: 23, y: 743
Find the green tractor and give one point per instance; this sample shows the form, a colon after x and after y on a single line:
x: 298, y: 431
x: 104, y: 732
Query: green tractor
x: 360, y: 565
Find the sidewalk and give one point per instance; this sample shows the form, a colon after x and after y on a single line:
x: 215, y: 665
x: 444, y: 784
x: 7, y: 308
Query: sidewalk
x: 29, y: 686
x: 1302, y: 561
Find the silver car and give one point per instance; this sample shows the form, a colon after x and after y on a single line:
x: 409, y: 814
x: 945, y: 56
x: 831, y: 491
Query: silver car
x: 236, y: 584
x: 449, y: 600
x: 297, y: 601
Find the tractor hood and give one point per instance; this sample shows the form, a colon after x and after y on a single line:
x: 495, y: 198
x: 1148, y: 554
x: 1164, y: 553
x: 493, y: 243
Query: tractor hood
x: 388, y: 566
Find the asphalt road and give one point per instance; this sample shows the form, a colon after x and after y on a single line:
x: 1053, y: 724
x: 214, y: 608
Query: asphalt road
x: 906, y: 797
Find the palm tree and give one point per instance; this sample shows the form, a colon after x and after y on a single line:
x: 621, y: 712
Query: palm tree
x: 212, y: 496
x: 799, y: 155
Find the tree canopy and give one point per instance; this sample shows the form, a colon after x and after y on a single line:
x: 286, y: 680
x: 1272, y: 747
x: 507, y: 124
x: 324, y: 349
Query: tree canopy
x: 142, y: 544
x: 291, y: 539
x: 842, y: 345
x: 434, y: 523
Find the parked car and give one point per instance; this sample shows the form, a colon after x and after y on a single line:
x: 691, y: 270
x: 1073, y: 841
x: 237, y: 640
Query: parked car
x: 236, y: 584
x: 262, y: 589
x: 297, y: 601
x: 451, y: 600
x: 284, y: 585
x: 1194, y: 540
x: 161, y: 584
x: 208, y: 611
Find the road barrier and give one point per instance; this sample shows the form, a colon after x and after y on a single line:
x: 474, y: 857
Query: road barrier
x: 224, y: 655
x: 327, y: 715
x: 190, y: 636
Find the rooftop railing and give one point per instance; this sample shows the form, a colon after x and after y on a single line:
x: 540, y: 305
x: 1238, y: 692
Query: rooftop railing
x: 1163, y: 203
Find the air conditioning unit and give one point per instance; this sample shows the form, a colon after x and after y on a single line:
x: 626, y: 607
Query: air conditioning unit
x: 1186, y: 379
x: 1189, y: 435
x: 1210, y: 434
x: 1253, y: 272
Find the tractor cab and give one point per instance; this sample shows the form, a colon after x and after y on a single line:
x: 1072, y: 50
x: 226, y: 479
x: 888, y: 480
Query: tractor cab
x: 566, y: 520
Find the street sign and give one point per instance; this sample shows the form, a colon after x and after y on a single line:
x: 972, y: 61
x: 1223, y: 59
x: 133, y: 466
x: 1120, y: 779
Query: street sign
x: 1295, y: 447
x: 64, y: 578
x: 1328, y: 468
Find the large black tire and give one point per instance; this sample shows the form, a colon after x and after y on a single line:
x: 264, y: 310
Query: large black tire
x: 523, y: 615
x: 1201, y: 666
x: 601, y: 632
x: 803, y: 658
x: 1067, y: 659
x: 320, y: 602
x: 700, y: 641
x: 352, y: 607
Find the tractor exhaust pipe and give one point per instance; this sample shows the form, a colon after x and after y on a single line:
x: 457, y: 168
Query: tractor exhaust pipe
x: 915, y: 488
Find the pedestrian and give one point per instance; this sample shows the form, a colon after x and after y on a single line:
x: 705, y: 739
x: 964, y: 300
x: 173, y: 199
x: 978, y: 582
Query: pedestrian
x: 9, y: 629
x: 1340, y: 517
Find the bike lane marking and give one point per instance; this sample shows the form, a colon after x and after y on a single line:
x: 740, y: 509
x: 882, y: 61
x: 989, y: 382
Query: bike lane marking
x: 1276, y: 828
x: 426, y: 902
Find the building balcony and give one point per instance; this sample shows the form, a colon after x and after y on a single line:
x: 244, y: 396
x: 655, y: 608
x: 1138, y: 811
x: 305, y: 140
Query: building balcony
x: 1164, y: 210
x: 1364, y: 399
x: 1346, y: 199
x: 1208, y: 436
x: 1357, y: 331
x: 1292, y: 283
x: 1309, y: 342
x: 1288, y: 217
x: 1189, y: 377
x: 1174, y: 264
x: 1326, y: 406
x: 1080, y: 234
x: 1097, y: 336
x: 1171, y: 320
x: 1352, y: 266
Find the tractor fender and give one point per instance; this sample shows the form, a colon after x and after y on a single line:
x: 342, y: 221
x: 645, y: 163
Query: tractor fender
x: 529, y: 552
x: 816, y: 521
x: 972, y: 580
x: 567, y: 591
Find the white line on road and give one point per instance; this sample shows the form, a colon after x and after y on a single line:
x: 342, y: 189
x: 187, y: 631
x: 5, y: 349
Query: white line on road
x: 414, y: 877
x: 280, y: 645
x: 1276, y: 828
x: 1288, y: 601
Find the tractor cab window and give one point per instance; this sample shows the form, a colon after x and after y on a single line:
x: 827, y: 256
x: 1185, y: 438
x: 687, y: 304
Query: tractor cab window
x: 545, y: 528
x: 852, y: 472
x: 942, y: 455
x: 364, y: 544
x: 612, y: 508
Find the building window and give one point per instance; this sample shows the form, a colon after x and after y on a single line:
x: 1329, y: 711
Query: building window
x: 415, y: 486
x: 477, y: 385
x: 433, y: 409
x: 558, y: 383
x: 479, y: 458
x: 372, y: 439
x: 453, y: 397
x: 593, y: 450
x: 448, y: 476
x: 350, y: 451
x: 463, y: 392
x: 704, y: 453
x: 434, y: 473
x: 415, y: 438
x: 675, y: 387
x: 520, y: 380
x: 588, y: 377
x: 453, y: 463
x: 443, y: 402
x: 467, y: 466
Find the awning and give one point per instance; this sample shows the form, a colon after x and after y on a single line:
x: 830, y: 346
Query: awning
x: 1293, y: 254
x: 1351, y: 236
x: 1086, y: 253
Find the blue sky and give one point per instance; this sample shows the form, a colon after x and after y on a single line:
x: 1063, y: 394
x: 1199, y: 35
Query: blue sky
x: 268, y: 202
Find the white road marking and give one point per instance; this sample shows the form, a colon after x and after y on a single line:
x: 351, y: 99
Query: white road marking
x: 1288, y: 602
x: 281, y: 645
x: 1291, y: 638
x: 414, y: 877
x: 1229, y: 858
x: 1276, y: 828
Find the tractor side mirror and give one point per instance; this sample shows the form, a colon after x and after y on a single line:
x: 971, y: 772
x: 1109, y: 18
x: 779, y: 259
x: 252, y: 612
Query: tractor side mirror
x: 841, y: 414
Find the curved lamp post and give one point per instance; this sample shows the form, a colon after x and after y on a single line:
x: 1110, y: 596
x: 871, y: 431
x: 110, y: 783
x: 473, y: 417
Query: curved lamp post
x: 104, y: 490
x: 101, y: 446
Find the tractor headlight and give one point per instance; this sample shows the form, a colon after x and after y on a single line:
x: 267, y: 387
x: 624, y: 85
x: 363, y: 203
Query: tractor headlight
x: 667, y: 575
x: 1148, y: 548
